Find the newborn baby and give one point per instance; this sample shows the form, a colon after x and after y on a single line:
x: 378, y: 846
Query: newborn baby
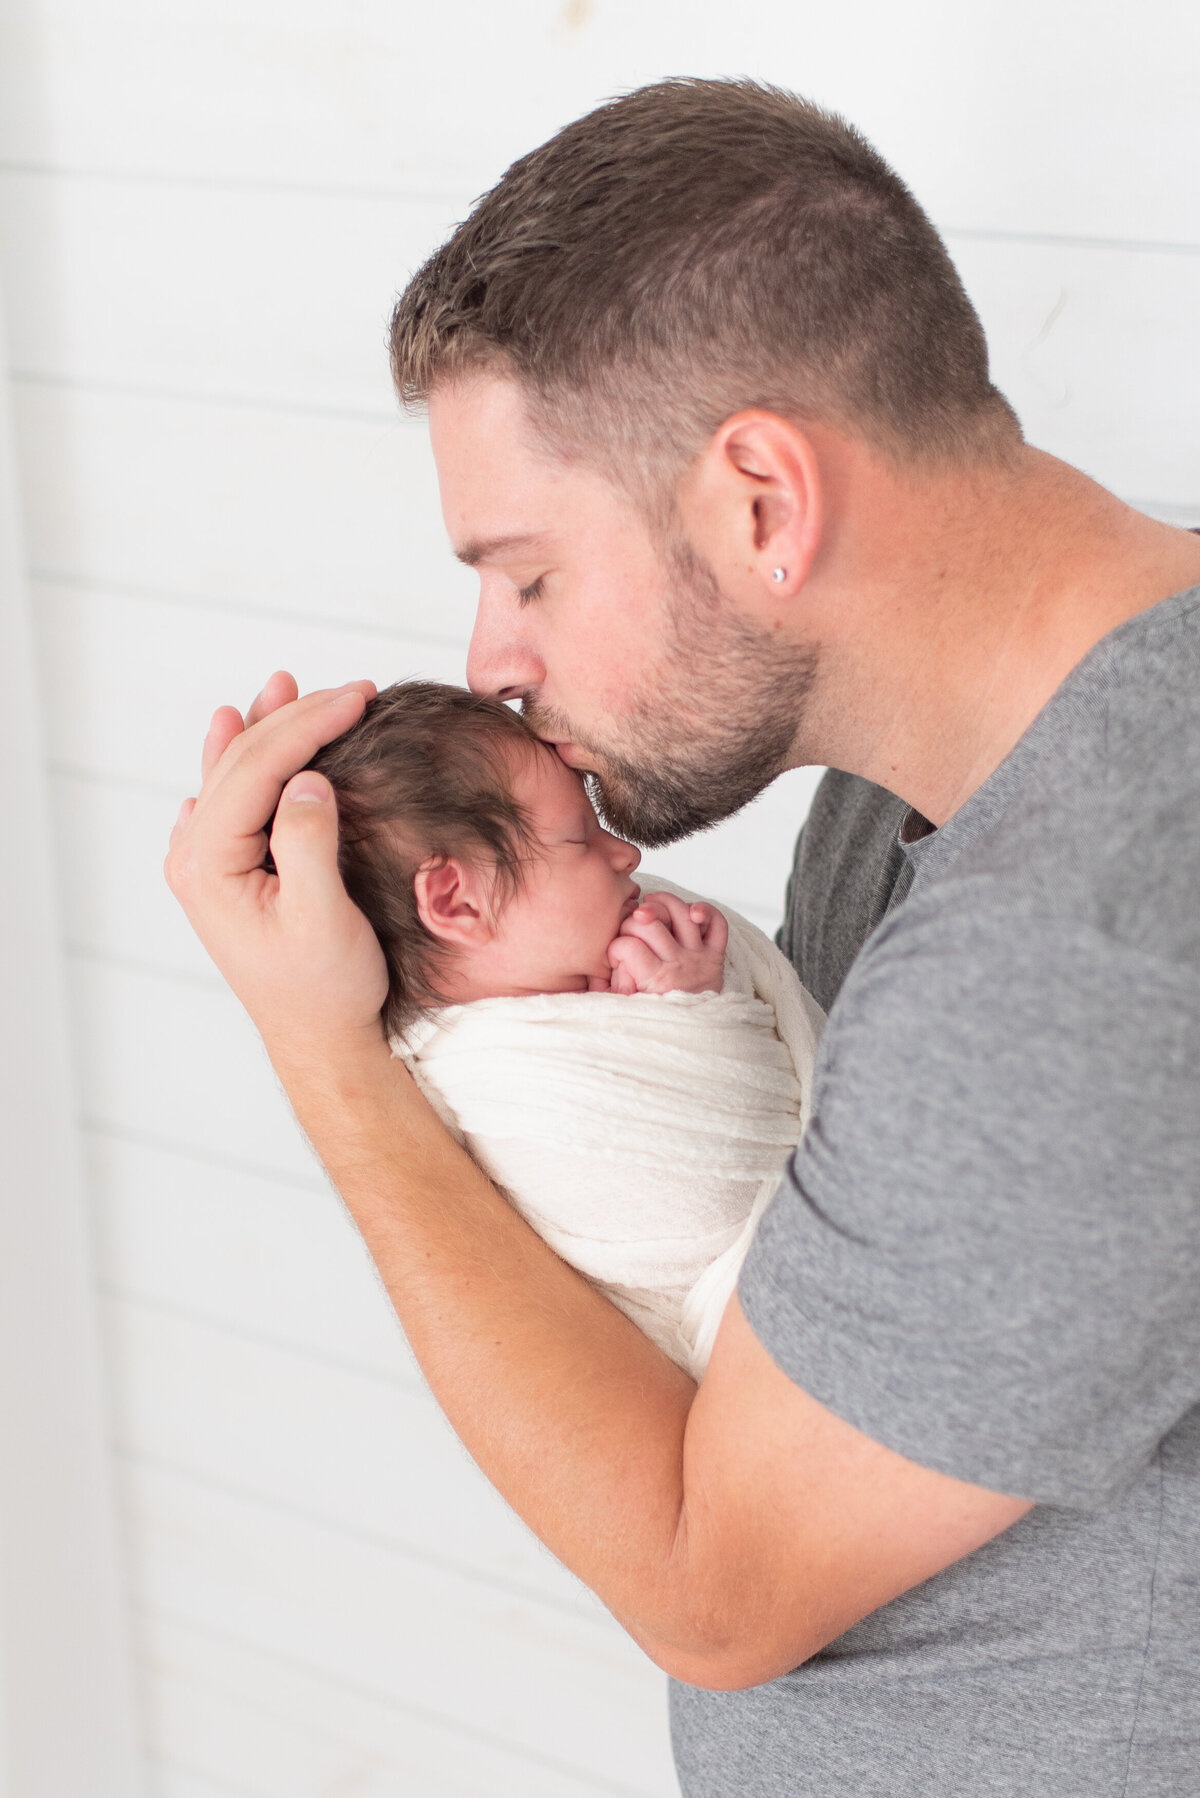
x: 629, y: 1065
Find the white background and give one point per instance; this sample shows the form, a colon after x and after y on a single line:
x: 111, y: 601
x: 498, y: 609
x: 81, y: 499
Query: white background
x: 205, y: 210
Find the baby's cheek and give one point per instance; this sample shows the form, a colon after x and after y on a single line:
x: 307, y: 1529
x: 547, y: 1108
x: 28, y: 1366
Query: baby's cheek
x: 598, y: 949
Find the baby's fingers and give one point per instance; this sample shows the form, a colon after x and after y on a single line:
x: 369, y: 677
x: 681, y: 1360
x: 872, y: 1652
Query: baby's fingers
x: 714, y: 929
x: 650, y: 930
x: 679, y: 917
x: 631, y: 960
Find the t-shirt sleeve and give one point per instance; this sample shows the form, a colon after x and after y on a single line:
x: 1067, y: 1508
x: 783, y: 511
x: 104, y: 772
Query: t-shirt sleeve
x: 986, y: 1252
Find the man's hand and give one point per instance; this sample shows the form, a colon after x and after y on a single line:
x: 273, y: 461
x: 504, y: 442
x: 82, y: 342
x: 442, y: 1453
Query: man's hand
x: 299, y: 955
x: 668, y: 946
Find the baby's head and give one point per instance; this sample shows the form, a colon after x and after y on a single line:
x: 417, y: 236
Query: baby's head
x: 473, y: 850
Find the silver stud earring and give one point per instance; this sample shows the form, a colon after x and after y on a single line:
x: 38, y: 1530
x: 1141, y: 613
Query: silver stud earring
x: 779, y: 574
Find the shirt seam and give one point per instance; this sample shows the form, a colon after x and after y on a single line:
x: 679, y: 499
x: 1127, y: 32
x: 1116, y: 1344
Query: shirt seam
x: 1137, y: 1704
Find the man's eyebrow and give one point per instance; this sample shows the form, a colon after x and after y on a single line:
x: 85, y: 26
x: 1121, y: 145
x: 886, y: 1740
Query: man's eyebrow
x: 484, y: 549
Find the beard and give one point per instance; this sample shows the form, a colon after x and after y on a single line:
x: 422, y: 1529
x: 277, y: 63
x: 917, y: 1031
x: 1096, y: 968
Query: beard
x: 721, y: 724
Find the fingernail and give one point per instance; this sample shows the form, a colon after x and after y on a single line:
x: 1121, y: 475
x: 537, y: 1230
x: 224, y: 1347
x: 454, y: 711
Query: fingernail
x: 308, y: 787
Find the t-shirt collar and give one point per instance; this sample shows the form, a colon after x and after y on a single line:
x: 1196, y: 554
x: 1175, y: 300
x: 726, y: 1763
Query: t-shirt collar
x: 928, y: 848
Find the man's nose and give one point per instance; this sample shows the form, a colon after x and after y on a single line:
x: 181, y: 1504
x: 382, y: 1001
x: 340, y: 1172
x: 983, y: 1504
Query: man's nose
x: 500, y: 659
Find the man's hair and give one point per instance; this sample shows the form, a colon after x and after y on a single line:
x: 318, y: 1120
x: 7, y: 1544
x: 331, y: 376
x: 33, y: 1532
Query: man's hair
x: 425, y: 773
x: 692, y: 249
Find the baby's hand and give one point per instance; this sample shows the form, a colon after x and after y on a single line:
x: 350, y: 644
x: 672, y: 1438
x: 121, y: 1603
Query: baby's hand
x: 668, y: 946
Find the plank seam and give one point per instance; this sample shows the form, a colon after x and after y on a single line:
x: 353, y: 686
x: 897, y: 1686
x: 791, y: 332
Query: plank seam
x: 450, y: 195
x: 1071, y: 241
x: 170, y: 1763
x: 230, y: 402
x: 456, y: 195
x: 207, y: 602
x: 470, y: 1573
x: 121, y: 783
x: 130, y: 964
x: 294, y: 1346
x: 454, y: 1726
x: 110, y: 1128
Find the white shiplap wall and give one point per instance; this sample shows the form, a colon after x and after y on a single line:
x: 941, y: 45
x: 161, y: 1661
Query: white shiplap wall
x: 204, y: 212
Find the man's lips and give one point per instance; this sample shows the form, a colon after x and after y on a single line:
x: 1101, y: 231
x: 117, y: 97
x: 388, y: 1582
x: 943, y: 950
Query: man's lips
x: 568, y: 752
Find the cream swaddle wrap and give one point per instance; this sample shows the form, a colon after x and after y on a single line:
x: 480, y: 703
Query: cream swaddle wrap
x: 640, y: 1135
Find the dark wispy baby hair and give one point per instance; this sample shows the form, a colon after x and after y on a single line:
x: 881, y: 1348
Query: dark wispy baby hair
x: 426, y: 772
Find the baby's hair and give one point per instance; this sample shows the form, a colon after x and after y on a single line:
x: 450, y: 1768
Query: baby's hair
x: 425, y: 773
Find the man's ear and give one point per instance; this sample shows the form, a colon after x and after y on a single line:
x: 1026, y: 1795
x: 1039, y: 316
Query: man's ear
x: 752, y: 505
x: 454, y: 902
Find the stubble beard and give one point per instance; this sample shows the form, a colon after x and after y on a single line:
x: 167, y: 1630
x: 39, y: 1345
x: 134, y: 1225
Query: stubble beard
x: 722, y: 724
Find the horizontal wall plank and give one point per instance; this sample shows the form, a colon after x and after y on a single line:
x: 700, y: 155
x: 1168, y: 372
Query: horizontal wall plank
x: 284, y: 300
x: 170, y: 1781
x: 111, y: 841
x: 565, y: 1688
x: 247, y: 1717
x: 343, y: 1447
x: 986, y: 133
x: 255, y: 1254
x: 1097, y: 350
x: 281, y: 297
x: 131, y: 682
x: 302, y: 515
x: 183, y: 1064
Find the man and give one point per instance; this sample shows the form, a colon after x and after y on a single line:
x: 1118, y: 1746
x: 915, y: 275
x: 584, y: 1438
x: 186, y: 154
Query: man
x: 713, y: 421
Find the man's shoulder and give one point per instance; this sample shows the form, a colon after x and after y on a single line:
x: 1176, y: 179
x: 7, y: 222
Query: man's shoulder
x: 1100, y: 826
x: 1101, y: 833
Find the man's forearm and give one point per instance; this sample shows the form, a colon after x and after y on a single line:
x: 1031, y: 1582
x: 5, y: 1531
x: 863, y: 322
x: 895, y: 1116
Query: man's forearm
x: 734, y: 1529
x: 572, y: 1413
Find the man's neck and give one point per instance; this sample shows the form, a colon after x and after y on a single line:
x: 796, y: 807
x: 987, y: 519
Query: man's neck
x: 994, y: 585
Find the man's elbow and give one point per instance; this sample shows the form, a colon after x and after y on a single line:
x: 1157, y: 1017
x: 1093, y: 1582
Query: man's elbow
x: 729, y: 1661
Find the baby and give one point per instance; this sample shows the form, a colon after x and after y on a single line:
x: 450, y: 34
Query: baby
x: 630, y: 1066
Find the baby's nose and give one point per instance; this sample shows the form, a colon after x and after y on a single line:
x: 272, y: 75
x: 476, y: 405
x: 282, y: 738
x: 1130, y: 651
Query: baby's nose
x: 626, y: 857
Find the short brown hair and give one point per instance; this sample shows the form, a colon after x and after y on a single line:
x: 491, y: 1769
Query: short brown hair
x: 426, y: 772
x: 694, y: 248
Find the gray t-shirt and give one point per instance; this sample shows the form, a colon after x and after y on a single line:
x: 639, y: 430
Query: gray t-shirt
x: 987, y: 1256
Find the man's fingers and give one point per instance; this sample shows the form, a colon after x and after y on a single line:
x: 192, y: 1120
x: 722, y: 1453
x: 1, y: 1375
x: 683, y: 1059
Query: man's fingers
x: 304, y: 840
x: 243, y: 789
x: 277, y: 702
x: 185, y: 812
x: 280, y: 689
x: 226, y: 725
x: 227, y: 722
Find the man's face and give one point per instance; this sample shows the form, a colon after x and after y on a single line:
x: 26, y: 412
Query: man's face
x: 623, y: 651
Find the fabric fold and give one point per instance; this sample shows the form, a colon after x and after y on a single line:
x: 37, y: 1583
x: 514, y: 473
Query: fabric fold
x: 642, y: 1136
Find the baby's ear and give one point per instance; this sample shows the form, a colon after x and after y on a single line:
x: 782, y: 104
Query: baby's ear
x: 452, y: 902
